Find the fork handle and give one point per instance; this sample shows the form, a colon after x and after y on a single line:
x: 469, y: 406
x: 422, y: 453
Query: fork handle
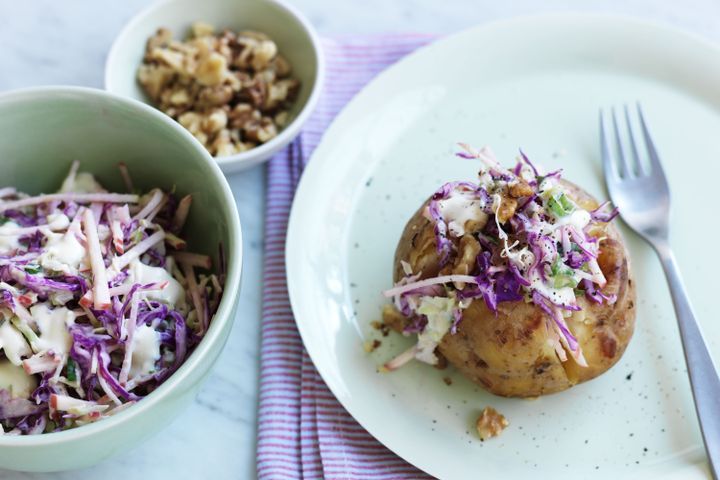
x: 704, y: 379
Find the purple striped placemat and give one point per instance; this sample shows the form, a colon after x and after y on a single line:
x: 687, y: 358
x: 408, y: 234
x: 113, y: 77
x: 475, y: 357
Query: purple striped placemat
x: 303, y: 431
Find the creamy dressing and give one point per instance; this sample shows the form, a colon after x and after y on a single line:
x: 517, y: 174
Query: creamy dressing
x: 63, y: 253
x: 458, y: 209
x: 104, y: 232
x: 13, y: 343
x: 559, y: 296
x: 146, y: 351
x: 546, y: 187
x: 14, y: 379
x: 578, y: 219
x: 75, y: 406
x: 57, y: 221
x: 439, y: 312
x: 486, y: 181
x: 81, y: 182
x: 173, y: 294
x: 53, y: 324
x: 522, y: 259
x: 8, y: 241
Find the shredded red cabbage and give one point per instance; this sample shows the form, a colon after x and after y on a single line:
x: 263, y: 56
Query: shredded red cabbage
x: 82, y: 351
x: 544, y: 253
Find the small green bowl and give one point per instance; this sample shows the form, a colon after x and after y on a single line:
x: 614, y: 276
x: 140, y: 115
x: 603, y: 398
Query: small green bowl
x: 295, y: 36
x: 43, y: 131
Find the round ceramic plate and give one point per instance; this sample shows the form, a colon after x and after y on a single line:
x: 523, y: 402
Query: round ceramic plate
x: 537, y: 84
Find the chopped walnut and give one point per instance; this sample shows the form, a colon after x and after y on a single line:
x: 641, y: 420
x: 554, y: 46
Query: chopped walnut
x: 161, y: 39
x: 191, y: 121
x: 154, y: 78
x: 232, y: 91
x: 392, y: 318
x: 202, y: 29
x: 211, y: 70
x: 468, y: 250
x: 279, y: 91
x: 261, y: 131
x: 170, y: 58
x: 490, y: 423
x: 243, y: 115
x: 509, y: 199
x: 215, y: 121
x: 214, y: 96
x: 371, y: 345
x: 281, y: 119
x: 506, y: 209
x: 263, y: 53
x: 377, y: 325
x: 280, y: 66
x: 520, y: 189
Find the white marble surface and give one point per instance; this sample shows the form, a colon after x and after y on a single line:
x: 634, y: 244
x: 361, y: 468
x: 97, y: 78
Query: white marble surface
x: 49, y: 42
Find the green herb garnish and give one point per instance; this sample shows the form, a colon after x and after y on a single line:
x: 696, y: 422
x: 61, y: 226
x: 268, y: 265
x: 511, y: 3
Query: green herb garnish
x: 33, y: 269
x: 71, y: 370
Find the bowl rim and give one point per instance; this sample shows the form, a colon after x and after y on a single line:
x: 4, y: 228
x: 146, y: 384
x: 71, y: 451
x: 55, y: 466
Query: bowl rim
x: 263, y: 152
x: 224, y: 314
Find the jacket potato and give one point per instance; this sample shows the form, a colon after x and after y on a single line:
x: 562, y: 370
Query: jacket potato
x: 511, y: 348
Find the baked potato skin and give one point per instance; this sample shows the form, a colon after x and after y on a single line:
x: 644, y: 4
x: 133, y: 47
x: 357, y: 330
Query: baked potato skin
x: 509, y: 353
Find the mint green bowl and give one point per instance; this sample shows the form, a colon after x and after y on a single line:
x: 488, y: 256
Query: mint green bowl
x: 43, y: 131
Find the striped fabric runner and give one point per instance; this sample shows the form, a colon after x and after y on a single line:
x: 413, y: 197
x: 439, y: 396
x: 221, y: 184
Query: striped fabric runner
x: 303, y: 432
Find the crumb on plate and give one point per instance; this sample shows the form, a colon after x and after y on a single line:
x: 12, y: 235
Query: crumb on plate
x: 490, y: 423
x: 371, y: 345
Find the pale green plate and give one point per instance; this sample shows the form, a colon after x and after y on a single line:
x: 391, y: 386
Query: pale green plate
x: 535, y: 83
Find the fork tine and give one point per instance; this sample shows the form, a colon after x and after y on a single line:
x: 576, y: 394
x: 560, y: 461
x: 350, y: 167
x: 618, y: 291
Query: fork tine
x: 639, y: 167
x: 624, y: 164
x: 656, y: 166
x: 609, y: 166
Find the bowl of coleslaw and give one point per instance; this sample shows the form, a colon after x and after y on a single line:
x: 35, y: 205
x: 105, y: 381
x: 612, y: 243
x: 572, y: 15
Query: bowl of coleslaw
x: 120, y: 263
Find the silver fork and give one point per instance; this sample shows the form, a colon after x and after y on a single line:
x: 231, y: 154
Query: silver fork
x: 643, y: 197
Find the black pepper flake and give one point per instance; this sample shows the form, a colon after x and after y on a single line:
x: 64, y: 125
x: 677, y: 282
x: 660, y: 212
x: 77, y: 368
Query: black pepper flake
x: 369, y: 182
x: 629, y: 376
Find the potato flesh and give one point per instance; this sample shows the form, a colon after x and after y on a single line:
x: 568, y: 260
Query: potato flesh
x: 510, y: 353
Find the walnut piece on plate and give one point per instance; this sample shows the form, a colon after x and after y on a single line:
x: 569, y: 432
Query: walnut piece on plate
x: 232, y: 91
x: 490, y: 423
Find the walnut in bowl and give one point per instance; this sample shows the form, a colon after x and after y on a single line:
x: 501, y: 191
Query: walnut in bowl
x: 243, y: 94
x: 232, y: 91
